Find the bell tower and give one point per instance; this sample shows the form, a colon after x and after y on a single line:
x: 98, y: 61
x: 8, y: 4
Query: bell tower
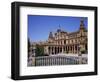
x: 82, y: 34
x: 82, y: 24
x: 50, y: 35
x: 50, y: 38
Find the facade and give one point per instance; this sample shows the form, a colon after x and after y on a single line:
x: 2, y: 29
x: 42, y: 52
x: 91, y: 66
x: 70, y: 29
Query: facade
x: 64, y: 42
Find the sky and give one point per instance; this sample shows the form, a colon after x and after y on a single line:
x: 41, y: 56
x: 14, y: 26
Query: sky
x: 40, y: 26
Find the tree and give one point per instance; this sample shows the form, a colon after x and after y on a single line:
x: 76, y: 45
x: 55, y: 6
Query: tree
x: 28, y: 47
x: 83, y: 50
x: 39, y: 50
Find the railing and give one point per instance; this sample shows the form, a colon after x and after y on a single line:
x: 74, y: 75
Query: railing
x: 59, y: 60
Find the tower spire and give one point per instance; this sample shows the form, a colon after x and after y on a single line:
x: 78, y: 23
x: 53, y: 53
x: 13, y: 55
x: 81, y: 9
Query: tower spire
x: 50, y: 35
x: 59, y: 28
x: 81, y: 23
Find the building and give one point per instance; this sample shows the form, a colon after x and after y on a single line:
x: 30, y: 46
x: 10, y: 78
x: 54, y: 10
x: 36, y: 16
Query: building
x: 64, y: 42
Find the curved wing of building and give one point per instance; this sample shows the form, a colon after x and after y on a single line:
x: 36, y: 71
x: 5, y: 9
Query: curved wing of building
x: 64, y: 42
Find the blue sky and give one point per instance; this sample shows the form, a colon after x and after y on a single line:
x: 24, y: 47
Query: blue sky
x: 39, y: 26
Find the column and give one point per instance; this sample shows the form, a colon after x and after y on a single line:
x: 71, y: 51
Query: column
x: 50, y: 50
x: 77, y: 49
x: 58, y: 49
x: 62, y: 49
x: 55, y: 50
x: 72, y: 49
x: 66, y: 48
x: 69, y: 48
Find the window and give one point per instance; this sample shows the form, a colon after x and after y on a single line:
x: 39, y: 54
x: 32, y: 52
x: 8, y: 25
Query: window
x: 75, y: 41
x: 72, y: 41
x: 64, y: 41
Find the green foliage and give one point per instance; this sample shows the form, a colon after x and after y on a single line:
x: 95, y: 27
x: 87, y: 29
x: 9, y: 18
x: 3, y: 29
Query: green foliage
x: 39, y: 50
x: 28, y: 47
x: 82, y: 50
x: 28, y: 44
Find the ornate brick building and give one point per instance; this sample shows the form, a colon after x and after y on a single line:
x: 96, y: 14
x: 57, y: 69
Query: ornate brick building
x: 64, y: 42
